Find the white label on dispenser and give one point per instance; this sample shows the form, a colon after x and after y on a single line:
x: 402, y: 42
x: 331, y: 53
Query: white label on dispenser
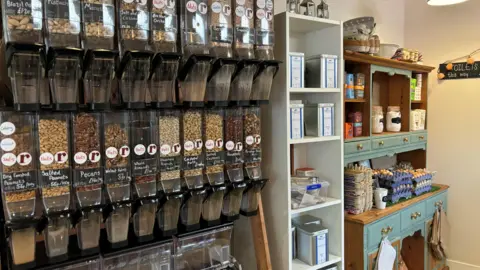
x: 192, y: 6
x: 239, y: 11
x: 176, y: 148
x: 260, y: 14
x: 216, y: 7
x: 227, y: 10
x: 209, y: 144
x: 24, y: 159
x: 202, y: 7
x: 159, y: 4
x: 7, y: 128
x: 94, y: 156
x: 249, y: 13
x: 8, y: 144
x: 124, y: 151
x: 229, y: 145
x: 260, y: 3
x: 188, y: 145
x: 152, y: 149
x: 269, y: 4
x: 46, y: 158
x: 139, y: 149
x: 321, y: 248
x: 61, y: 157
x: 198, y: 144
x: 111, y: 152
x: 240, y: 2
x: 165, y: 149
x: 9, y: 159
x: 80, y: 158
x: 249, y: 140
x: 219, y: 143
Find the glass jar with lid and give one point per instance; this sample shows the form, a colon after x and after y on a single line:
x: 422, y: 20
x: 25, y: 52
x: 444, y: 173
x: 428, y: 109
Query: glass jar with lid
x: 394, y: 119
x: 377, y: 119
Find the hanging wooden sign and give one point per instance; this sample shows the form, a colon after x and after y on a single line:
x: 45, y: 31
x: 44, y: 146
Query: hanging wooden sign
x: 460, y: 70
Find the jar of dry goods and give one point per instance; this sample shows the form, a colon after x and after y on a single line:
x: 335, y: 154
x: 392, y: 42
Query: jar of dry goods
x: 56, y: 235
x: 18, y: 164
x: 134, y: 24
x: 220, y: 28
x: 265, y: 37
x: 116, y: 134
x: 194, y: 26
x: 214, y: 151
x: 98, y: 24
x: 53, y: 143
x: 168, y: 214
x: 88, y: 173
x: 243, y: 29
x: 193, y: 159
x: 253, y: 139
x: 234, y: 143
x: 144, y: 141
x: 62, y: 23
x: 163, y: 23
x: 22, y: 21
x: 170, y: 161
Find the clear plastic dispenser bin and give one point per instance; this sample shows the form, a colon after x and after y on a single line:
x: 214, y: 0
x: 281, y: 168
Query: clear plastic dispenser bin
x: 218, y: 87
x: 23, y: 21
x: 242, y: 81
x: 133, y: 25
x: 208, y: 250
x: 191, y: 209
x: 243, y: 29
x: 193, y: 155
x: 88, y: 230
x: 168, y: 214
x: 19, y: 166
x: 253, y: 139
x: 213, y: 136
x: 133, y: 74
x: 262, y: 82
x: 170, y: 156
x: 26, y: 72
x: 98, y: 24
x: 98, y: 74
x: 212, y: 205
x: 117, y: 224
x: 249, y: 205
x: 64, y: 71
x: 232, y: 201
x: 56, y: 235
x: 62, y: 23
x: 234, y: 144
x: 144, y: 218
x: 88, y: 265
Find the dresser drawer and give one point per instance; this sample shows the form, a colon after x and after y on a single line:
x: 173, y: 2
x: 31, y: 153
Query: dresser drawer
x: 434, y: 201
x: 386, y: 142
x: 389, y: 225
x: 357, y: 147
x: 413, y: 215
x: 418, y: 137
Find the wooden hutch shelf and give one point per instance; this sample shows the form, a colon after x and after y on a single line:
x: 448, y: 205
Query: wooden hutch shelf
x: 380, y: 61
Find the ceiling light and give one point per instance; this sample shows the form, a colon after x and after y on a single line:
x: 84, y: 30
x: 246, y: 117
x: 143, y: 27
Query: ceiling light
x: 444, y: 2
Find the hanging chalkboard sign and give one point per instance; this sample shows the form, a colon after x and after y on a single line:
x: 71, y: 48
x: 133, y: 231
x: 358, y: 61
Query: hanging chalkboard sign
x: 460, y: 70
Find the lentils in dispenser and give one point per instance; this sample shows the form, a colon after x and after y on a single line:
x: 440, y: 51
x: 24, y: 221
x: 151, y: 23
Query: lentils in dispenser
x: 98, y: 24
x: 62, y: 23
x: 253, y: 139
x: 134, y: 24
x: 265, y: 37
x: 170, y: 149
x: 234, y: 144
x: 23, y: 21
x: 193, y: 159
x: 214, y: 151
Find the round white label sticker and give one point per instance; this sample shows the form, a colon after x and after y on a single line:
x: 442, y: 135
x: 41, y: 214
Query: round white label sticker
x: 170, y: 3
x: 209, y: 144
x: 260, y: 3
x: 249, y: 13
x: 124, y: 151
x: 238, y: 146
x: 219, y: 143
x: 240, y: 2
x: 7, y: 144
x: 80, y: 158
x: 159, y: 3
x: 239, y: 11
x: 269, y: 15
x: 269, y: 4
x: 227, y: 10
x: 188, y: 145
x: 46, y: 158
x: 202, y: 7
x: 198, y: 144
x: 230, y: 145
x: 141, y: 2
x: 152, y: 149
x: 249, y: 140
x: 7, y: 128
x: 128, y: 1
x: 165, y: 149
x: 260, y: 14
x: 192, y: 6
x: 176, y: 148
x: 94, y: 156
x: 258, y: 139
x: 24, y: 159
x: 61, y: 157
x: 216, y: 7
x: 8, y: 159
x: 111, y: 152
x: 139, y: 149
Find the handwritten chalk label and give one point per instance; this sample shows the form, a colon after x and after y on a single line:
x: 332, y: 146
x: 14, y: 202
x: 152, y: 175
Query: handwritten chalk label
x: 461, y: 70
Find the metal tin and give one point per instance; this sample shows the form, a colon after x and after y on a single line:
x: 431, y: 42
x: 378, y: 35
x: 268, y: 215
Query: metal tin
x: 312, y: 242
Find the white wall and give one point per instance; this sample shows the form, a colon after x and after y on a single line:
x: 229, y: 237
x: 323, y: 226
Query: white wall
x: 389, y: 15
x: 443, y: 33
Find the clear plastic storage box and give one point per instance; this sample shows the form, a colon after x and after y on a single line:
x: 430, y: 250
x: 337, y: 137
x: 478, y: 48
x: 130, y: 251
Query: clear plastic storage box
x: 306, y: 192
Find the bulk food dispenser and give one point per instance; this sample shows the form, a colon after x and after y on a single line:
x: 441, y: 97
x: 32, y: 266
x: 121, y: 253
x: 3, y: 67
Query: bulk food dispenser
x: 196, y: 63
x: 19, y: 185
x: 165, y: 62
x: 55, y: 180
x: 234, y: 161
x: 87, y: 179
x: 116, y: 135
x: 144, y: 141
x: 169, y: 178
x: 192, y: 169
x: 214, y: 165
x: 134, y: 68
x: 220, y: 42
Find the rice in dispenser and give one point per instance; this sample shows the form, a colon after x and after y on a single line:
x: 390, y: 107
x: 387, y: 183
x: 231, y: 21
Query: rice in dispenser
x: 62, y: 23
x: 394, y: 119
x: 144, y: 140
x: 194, y: 46
x: 19, y: 184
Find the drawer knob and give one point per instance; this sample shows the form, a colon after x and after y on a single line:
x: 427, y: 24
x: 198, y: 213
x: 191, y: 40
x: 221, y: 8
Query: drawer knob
x: 421, y: 137
x: 390, y: 229
x: 439, y: 203
x: 418, y: 214
x: 413, y: 216
x: 359, y: 146
x: 405, y: 139
x: 381, y: 143
x: 387, y: 230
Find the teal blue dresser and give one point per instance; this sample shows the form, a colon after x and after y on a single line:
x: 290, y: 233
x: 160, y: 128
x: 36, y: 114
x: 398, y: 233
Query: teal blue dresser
x: 407, y: 226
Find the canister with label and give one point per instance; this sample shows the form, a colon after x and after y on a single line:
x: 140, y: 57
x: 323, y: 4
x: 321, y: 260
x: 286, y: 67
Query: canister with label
x: 319, y: 119
x: 322, y: 71
x: 312, y: 240
x: 296, y: 121
x: 296, y: 69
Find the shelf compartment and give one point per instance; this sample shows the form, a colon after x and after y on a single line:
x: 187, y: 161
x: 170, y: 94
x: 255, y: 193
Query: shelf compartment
x: 311, y: 139
x: 327, y: 203
x: 314, y: 90
x: 299, y: 265
x: 304, y: 24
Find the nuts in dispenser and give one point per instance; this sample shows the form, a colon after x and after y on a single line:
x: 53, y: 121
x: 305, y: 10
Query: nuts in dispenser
x: 63, y: 23
x: 164, y: 25
x: 170, y: 147
x: 213, y: 137
x: 193, y: 160
x: 134, y: 24
x: 234, y: 143
x: 98, y: 23
x: 23, y: 21
x: 253, y: 138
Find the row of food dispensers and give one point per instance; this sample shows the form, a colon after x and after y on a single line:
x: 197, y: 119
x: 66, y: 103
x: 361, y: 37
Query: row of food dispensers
x: 61, y: 53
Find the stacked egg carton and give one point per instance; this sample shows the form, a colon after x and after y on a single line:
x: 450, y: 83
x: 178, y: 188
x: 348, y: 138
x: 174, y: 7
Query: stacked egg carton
x: 398, y: 182
x: 422, y: 181
x: 358, y: 189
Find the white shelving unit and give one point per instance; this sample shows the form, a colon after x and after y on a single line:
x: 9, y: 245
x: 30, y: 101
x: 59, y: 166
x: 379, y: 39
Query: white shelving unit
x: 312, y: 36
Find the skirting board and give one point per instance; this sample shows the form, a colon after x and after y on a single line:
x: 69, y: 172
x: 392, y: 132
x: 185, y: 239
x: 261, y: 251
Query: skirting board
x: 456, y: 265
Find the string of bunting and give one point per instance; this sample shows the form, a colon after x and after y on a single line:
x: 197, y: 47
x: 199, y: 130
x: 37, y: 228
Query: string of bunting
x: 449, y: 66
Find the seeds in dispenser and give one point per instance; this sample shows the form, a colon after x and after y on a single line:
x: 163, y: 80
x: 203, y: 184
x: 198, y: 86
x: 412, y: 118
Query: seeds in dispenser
x: 234, y: 139
x: 252, y: 137
x: 169, y: 127
x: 213, y: 131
